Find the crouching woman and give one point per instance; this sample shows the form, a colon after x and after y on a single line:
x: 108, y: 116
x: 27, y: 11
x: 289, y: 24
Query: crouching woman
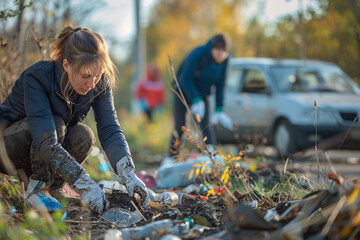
x: 41, y: 119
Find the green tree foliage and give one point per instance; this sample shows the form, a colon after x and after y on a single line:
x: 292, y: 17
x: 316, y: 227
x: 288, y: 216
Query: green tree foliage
x: 335, y: 36
x: 9, y: 12
x: 332, y: 33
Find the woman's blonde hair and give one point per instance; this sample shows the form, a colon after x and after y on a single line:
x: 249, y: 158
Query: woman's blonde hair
x: 81, y: 47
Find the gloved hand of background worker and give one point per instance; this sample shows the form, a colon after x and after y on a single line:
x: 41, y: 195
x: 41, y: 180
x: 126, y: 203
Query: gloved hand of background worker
x: 222, y: 118
x: 133, y: 184
x: 198, y: 107
x: 90, y: 192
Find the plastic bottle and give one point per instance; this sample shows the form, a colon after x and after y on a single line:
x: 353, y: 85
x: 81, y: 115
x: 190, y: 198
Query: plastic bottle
x: 152, y: 230
x: 176, y: 174
x: 108, y: 186
x: 191, y: 188
x: 169, y: 199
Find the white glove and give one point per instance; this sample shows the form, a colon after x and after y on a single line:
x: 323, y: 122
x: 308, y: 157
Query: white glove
x: 91, y: 195
x: 133, y: 184
x: 198, y: 108
x: 223, y: 119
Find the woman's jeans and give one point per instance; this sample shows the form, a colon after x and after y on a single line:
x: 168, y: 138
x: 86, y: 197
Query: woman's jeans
x: 77, y: 140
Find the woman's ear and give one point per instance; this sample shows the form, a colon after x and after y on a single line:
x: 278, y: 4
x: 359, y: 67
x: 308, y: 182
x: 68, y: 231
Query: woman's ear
x: 66, y: 66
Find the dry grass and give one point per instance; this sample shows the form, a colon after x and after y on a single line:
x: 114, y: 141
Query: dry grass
x: 10, y: 62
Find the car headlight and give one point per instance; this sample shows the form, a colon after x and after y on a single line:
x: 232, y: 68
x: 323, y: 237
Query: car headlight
x: 323, y: 116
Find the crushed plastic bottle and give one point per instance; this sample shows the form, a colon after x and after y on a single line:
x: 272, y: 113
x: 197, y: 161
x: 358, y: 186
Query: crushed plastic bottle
x: 183, y: 197
x: 170, y: 199
x: 122, y: 217
x: 155, y: 229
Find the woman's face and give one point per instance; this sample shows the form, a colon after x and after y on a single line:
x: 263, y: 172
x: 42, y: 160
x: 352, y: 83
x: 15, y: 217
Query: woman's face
x: 86, y: 79
x: 219, y: 54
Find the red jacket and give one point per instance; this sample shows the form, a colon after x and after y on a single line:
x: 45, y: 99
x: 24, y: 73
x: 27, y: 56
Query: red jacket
x: 151, y: 90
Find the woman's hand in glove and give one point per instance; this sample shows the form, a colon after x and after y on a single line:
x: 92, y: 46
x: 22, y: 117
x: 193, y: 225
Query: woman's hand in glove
x: 133, y: 184
x: 91, y: 194
x: 198, y: 108
x: 223, y: 119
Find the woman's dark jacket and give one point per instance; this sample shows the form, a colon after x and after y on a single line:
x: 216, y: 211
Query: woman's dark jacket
x: 37, y: 97
x: 199, y: 73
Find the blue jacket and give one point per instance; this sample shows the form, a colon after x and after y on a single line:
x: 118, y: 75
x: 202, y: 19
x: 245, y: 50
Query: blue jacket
x: 199, y: 73
x: 37, y: 97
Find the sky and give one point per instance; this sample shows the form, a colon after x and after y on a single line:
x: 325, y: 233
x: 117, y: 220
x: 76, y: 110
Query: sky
x: 118, y: 19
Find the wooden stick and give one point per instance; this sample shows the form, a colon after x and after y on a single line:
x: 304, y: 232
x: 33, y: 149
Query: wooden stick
x: 116, y: 226
x: 138, y: 210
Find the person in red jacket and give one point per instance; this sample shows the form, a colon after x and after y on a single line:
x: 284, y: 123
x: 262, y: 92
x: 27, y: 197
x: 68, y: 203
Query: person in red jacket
x: 150, y: 91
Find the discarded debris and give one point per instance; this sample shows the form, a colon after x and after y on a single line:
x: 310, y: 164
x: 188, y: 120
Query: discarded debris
x: 122, y: 217
x: 268, y: 208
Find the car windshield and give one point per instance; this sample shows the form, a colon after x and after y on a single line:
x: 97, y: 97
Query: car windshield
x: 305, y: 79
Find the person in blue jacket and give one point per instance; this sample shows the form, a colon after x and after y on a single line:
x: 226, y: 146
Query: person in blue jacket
x: 203, y: 69
x: 41, y: 118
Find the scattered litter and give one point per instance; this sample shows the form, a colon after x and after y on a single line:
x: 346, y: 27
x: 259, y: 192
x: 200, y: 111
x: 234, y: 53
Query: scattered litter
x: 148, y: 179
x: 170, y: 199
x: 331, y: 213
x: 156, y: 229
x: 108, y: 186
x: 64, y: 216
x: 190, y: 188
x: 206, y: 211
x: 253, y: 204
x: 170, y: 237
x: 113, y: 234
x: 122, y: 217
x: 152, y: 195
x: 176, y: 174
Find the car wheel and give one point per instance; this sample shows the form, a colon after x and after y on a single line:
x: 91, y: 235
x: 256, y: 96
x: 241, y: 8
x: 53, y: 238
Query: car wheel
x: 284, y: 138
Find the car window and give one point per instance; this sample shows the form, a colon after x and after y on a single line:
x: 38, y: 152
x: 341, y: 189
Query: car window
x: 301, y: 79
x: 254, y: 81
x: 233, y: 80
x: 304, y: 80
x: 338, y: 81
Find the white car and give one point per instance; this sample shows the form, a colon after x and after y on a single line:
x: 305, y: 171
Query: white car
x: 273, y: 102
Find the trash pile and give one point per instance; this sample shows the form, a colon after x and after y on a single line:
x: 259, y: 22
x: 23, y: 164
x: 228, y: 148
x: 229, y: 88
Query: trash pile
x: 259, y: 203
x: 332, y: 213
x: 182, y: 208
